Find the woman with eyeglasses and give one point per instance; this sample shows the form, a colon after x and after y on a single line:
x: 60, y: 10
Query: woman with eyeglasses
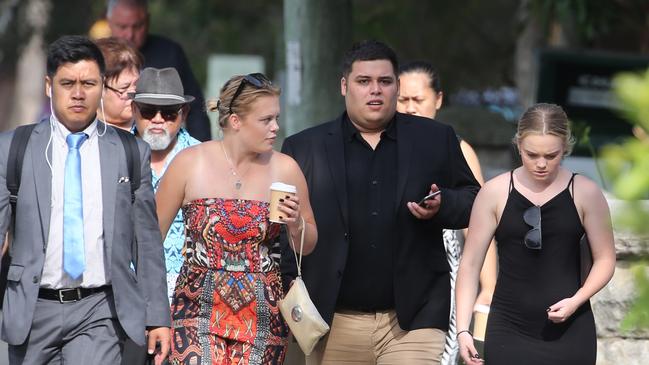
x: 123, y: 64
x: 225, y: 306
x: 538, y: 213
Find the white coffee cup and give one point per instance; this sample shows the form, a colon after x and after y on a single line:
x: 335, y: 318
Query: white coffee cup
x: 278, y: 190
x: 480, y: 315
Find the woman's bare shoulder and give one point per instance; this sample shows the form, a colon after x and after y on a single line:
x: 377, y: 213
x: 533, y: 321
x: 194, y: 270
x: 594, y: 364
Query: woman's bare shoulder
x: 284, y: 162
x: 498, y: 183
x: 191, y: 151
x: 494, y: 192
x: 189, y: 158
x: 587, y: 190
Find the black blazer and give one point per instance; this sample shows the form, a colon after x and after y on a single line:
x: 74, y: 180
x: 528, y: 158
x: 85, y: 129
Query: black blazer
x: 428, y: 152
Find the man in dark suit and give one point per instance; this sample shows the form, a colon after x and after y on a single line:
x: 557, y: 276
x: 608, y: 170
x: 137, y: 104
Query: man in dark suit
x: 79, y: 281
x: 379, y: 274
x: 129, y: 20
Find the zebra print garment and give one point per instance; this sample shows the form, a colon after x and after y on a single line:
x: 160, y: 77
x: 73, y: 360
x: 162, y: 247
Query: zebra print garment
x: 453, y: 242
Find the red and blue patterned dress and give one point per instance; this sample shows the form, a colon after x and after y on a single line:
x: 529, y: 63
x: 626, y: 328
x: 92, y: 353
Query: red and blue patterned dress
x: 224, y: 309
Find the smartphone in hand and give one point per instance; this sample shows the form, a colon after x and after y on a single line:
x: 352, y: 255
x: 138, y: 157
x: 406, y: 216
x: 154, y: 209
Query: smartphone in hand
x: 428, y: 197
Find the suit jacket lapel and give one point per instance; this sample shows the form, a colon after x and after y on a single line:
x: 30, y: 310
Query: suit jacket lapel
x: 109, y: 157
x: 335, y: 154
x: 42, y: 174
x: 404, y: 151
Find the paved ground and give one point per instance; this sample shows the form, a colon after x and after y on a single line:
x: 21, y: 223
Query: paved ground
x: 4, y: 357
x: 294, y: 356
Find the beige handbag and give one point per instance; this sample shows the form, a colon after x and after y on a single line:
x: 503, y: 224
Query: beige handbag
x: 298, y: 310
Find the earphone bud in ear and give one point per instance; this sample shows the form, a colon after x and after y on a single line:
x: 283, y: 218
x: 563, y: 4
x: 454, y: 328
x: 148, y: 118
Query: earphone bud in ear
x: 49, y: 91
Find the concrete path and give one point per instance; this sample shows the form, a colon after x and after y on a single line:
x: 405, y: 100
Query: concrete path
x: 4, y: 356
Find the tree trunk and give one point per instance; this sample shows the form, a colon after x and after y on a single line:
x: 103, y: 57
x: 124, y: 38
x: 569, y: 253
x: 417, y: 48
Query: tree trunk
x: 30, y: 71
x: 525, y: 60
x: 316, y: 33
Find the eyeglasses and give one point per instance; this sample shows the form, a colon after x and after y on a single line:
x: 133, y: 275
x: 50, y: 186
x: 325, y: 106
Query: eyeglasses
x: 532, y: 216
x: 122, y: 94
x: 255, y: 79
x: 168, y: 113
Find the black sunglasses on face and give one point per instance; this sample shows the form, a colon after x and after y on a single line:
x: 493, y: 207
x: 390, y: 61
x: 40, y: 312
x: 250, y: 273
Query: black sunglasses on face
x: 532, y: 216
x: 255, y: 79
x: 168, y: 113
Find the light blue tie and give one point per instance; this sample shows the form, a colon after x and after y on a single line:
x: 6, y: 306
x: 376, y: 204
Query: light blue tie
x: 73, y: 255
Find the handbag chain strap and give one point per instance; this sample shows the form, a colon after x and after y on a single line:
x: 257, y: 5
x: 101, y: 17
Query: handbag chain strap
x: 298, y: 261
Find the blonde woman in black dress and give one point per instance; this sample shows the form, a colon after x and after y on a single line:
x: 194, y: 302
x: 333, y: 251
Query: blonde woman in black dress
x: 540, y: 313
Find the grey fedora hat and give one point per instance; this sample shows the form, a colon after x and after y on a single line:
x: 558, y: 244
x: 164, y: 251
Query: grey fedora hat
x: 160, y: 86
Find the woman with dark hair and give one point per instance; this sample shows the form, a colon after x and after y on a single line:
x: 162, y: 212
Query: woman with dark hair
x: 123, y: 64
x: 420, y: 93
x: 225, y: 305
x: 538, y: 213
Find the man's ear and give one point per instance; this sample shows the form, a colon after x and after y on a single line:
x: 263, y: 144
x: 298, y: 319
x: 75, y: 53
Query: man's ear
x: 184, y: 112
x: 48, y: 87
x: 343, y: 86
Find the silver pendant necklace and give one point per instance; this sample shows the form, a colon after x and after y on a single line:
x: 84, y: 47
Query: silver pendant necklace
x: 237, y: 184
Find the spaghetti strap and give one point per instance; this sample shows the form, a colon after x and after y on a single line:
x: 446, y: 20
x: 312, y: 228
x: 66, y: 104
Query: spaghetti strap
x: 511, y: 181
x: 571, y: 185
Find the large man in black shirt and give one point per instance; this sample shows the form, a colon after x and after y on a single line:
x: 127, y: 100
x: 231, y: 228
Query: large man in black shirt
x: 129, y: 20
x: 379, y: 274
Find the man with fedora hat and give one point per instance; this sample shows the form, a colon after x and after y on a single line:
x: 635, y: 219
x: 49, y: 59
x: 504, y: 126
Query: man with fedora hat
x: 160, y: 109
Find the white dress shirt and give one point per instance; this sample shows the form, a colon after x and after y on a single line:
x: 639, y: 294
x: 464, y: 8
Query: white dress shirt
x: 94, y: 275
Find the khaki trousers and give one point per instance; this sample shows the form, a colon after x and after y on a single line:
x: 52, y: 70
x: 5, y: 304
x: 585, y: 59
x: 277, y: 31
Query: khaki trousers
x: 376, y: 338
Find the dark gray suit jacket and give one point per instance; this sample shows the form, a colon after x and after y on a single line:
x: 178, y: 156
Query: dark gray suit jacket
x: 140, y: 297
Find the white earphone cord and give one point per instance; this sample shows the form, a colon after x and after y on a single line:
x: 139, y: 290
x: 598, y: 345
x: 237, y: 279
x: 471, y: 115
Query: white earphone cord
x: 53, y: 119
x: 103, y: 114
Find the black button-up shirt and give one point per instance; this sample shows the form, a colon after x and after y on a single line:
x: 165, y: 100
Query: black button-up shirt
x: 367, y: 283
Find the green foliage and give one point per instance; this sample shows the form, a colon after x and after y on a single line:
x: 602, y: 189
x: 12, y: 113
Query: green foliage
x: 581, y: 132
x: 633, y: 92
x: 587, y: 19
x: 638, y: 317
x: 628, y: 166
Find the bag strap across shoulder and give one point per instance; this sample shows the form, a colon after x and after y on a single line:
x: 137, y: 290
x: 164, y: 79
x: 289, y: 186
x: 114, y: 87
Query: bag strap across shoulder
x: 298, y: 261
x: 15, y: 162
x: 14, y: 173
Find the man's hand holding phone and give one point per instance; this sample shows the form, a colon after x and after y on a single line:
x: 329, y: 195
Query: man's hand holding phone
x: 428, y: 197
x: 428, y: 206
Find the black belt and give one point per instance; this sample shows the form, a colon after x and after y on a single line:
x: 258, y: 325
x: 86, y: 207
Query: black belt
x: 69, y: 295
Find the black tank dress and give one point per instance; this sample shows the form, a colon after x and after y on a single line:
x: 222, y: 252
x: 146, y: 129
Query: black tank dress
x: 529, y: 281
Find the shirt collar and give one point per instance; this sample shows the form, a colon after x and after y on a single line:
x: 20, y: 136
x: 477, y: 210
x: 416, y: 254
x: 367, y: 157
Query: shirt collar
x: 62, y: 131
x: 350, y: 131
